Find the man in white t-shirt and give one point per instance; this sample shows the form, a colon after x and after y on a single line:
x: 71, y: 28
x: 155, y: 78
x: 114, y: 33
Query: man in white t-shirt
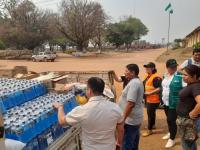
x: 195, y: 60
x: 99, y: 119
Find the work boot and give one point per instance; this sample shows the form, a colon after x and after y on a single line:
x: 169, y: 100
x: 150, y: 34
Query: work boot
x: 170, y: 143
x: 147, y: 133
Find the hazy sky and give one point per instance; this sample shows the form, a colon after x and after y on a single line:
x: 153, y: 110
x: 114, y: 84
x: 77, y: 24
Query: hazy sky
x: 185, y: 18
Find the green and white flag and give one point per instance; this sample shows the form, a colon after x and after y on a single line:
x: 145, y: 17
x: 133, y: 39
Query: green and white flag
x: 171, y: 11
x: 169, y: 8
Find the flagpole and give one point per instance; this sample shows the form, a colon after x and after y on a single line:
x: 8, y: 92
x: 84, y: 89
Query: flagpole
x: 168, y: 32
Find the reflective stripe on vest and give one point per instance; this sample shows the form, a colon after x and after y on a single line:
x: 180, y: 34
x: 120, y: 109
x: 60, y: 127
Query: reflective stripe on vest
x: 155, y: 98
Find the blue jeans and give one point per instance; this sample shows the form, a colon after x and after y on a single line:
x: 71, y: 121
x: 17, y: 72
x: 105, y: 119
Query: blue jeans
x: 188, y: 146
x: 198, y: 124
x: 131, y: 137
x: 198, y: 129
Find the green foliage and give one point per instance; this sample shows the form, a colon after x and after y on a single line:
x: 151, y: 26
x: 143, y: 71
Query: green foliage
x: 62, y: 42
x: 26, y: 27
x: 114, y: 34
x: 126, y: 31
x: 70, y: 51
x: 177, y: 43
x: 2, y: 45
x: 178, y: 40
x: 197, y: 46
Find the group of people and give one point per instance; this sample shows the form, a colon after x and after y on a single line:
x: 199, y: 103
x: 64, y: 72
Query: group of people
x: 179, y: 91
x: 109, y: 126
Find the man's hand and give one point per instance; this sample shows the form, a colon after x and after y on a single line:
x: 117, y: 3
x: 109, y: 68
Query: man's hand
x: 61, y: 113
x: 57, y: 105
x: 192, y: 116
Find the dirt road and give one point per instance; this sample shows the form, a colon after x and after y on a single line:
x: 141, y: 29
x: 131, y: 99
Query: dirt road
x: 109, y: 61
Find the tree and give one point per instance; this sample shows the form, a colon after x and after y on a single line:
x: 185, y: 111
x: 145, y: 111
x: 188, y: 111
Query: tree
x: 177, y: 43
x: 114, y: 34
x: 126, y: 31
x: 28, y: 26
x: 80, y: 21
x: 7, y: 8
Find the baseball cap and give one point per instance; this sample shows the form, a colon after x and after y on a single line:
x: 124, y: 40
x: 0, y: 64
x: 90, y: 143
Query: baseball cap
x: 171, y: 63
x: 150, y: 65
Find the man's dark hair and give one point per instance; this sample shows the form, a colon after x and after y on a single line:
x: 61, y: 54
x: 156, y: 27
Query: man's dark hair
x: 133, y: 68
x: 196, y: 51
x: 96, y: 85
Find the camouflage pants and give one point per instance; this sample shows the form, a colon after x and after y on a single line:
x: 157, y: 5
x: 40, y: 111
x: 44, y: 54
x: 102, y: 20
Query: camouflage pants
x: 198, y: 129
x: 187, y: 129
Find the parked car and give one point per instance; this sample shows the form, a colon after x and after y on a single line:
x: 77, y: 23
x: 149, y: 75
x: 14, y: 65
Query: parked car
x: 44, y: 56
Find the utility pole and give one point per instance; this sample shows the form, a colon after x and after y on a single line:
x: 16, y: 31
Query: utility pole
x: 168, y: 31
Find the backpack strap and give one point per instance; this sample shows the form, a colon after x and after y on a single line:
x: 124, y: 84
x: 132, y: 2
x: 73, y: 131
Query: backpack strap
x: 189, y: 61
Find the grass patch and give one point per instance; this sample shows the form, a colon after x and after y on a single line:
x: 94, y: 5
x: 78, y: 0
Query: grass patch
x: 179, y: 54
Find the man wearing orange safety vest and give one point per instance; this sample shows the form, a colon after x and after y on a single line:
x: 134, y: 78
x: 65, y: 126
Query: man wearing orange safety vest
x: 152, y: 84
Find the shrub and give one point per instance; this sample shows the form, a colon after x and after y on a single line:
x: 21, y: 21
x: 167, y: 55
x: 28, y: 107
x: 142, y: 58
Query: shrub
x: 70, y: 51
x: 2, y: 45
x: 196, y: 46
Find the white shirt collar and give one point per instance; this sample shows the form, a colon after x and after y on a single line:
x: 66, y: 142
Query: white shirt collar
x: 168, y: 75
x: 194, y: 62
x: 96, y: 98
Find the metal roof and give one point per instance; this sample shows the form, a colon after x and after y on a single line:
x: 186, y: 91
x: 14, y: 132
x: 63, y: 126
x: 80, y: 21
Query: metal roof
x: 195, y: 30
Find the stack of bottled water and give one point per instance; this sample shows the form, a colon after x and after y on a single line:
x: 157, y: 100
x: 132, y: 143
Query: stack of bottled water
x: 14, y: 92
x: 28, y: 113
x: 36, y: 115
x: 9, y: 85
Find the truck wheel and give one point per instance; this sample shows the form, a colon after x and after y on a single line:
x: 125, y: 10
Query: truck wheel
x: 52, y: 60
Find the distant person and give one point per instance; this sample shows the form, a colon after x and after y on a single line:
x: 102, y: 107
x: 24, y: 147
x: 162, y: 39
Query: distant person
x: 131, y: 101
x: 125, y: 78
x: 194, y: 60
x: 152, y: 84
x: 171, y: 85
x: 188, y: 108
x: 99, y: 119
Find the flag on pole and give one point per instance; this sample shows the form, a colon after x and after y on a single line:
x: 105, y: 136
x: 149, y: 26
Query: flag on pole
x: 168, y: 7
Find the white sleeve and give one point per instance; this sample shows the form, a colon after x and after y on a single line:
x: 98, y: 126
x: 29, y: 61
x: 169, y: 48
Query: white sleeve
x: 184, y: 64
x: 77, y: 115
x: 120, y: 115
x: 13, y: 145
x: 184, y: 84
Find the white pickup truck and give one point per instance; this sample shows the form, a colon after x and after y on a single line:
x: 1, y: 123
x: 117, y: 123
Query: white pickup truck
x: 44, y: 56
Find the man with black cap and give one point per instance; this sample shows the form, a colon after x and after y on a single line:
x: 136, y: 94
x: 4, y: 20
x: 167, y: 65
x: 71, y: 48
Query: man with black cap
x: 171, y: 85
x: 195, y: 60
x: 152, y: 84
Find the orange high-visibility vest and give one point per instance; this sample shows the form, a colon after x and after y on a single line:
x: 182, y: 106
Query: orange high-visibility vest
x: 154, y: 98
